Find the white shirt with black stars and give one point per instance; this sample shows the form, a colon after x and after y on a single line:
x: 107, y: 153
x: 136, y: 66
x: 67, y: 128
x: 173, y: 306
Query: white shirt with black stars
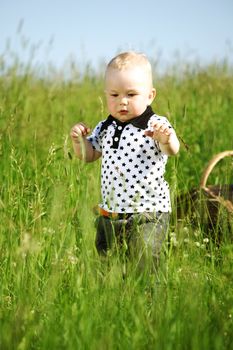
x: 133, y: 166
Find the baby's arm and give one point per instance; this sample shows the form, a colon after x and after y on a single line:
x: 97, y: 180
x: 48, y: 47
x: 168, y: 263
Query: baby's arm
x: 82, y: 147
x: 168, y: 141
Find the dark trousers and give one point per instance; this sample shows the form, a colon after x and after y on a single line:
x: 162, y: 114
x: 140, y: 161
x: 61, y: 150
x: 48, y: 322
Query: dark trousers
x: 137, y: 235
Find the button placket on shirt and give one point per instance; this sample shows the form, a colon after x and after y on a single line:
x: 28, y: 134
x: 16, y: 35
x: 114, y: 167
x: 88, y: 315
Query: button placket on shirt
x: 117, y: 135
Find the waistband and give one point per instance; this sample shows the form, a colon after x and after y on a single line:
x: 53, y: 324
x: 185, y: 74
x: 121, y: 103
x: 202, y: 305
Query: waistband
x: 123, y: 216
x: 112, y: 215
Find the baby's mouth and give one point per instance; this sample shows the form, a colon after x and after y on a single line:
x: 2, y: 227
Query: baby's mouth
x: 123, y: 111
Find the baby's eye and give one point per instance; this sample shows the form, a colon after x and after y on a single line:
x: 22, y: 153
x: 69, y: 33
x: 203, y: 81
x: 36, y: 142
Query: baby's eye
x: 114, y: 95
x: 132, y: 94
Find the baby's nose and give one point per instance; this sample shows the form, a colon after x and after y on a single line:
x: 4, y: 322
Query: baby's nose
x: 124, y: 100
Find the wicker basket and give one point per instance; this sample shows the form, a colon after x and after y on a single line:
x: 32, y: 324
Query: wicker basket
x: 209, y: 205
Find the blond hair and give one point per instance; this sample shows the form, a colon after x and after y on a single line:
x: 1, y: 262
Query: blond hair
x: 130, y: 59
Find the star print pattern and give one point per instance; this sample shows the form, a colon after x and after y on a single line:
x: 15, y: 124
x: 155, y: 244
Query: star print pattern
x: 133, y: 166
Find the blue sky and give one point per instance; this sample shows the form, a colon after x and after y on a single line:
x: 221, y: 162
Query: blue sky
x: 93, y: 31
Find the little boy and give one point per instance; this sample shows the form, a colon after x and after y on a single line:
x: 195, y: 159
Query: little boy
x: 134, y: 144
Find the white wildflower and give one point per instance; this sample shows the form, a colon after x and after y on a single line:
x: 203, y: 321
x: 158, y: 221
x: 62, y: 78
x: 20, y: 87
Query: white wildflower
x: 72, y: 259
x: 196, y: 233
x: 173, y: 239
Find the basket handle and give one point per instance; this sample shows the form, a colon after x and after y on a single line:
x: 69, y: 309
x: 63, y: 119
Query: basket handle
x: 212, y: 164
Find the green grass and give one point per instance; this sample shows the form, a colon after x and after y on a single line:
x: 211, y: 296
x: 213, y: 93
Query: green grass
x: 55, y: 291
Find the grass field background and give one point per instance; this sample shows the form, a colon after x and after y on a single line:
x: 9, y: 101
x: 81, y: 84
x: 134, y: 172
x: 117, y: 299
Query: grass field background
x: 55, y: 292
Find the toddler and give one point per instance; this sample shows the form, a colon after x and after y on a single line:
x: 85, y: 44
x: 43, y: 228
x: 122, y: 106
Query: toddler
x: 134, y: 144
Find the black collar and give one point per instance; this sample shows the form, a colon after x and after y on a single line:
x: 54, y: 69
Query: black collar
x: 140, y: 122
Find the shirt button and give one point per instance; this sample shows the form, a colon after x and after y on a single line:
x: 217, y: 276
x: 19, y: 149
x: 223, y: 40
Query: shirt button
x: 116, y: 139
x: 119, y: 127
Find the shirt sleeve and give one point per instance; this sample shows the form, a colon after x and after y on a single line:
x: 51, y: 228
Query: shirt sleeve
x: 95, y: 137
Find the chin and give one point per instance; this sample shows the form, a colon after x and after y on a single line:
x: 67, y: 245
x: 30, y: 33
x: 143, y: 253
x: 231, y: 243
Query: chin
x: 124, y: 118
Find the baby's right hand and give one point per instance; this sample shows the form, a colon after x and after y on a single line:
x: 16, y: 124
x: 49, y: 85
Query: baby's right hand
x: 79, y: 130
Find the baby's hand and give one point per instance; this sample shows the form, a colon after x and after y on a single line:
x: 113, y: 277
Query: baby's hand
x: 160, y: 131
x: 79, y: 130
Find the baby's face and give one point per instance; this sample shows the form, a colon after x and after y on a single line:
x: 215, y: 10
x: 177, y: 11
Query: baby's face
x: 128, y: 92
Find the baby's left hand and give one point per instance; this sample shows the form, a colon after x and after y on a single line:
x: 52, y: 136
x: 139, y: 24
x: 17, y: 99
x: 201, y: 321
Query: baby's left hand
x: 160, y: 132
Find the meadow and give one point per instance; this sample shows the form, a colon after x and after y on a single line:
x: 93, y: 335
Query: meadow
x: 55, y: 292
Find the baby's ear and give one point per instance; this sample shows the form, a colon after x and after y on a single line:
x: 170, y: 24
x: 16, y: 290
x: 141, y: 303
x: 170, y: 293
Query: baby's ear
x: 152, y: 94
